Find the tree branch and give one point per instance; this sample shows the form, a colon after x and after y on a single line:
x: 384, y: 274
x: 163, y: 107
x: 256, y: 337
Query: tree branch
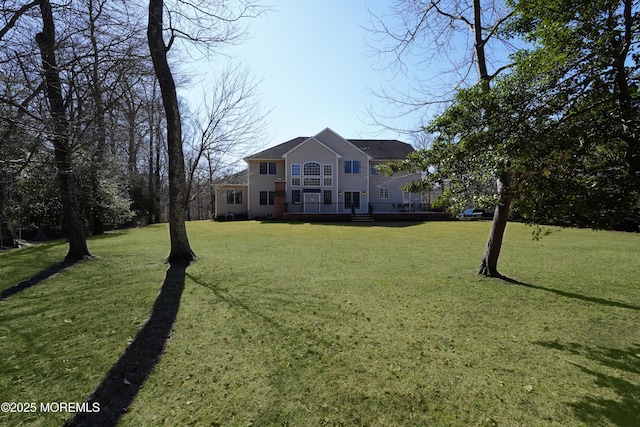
x: 15, y: 17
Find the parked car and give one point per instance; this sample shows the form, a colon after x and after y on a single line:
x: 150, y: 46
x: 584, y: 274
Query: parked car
x: 472, y: 213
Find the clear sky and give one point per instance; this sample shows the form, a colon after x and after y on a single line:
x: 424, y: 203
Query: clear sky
x: 316, y: 67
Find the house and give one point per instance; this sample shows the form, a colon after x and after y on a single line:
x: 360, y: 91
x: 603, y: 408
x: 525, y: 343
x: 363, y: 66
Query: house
x: 323, y: 175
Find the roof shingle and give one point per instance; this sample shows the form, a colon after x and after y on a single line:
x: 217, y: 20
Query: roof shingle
x: 382, y: 149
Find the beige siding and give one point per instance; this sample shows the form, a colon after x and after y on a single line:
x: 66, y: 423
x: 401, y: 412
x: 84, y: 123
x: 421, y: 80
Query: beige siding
x: 348, y: 181
x: 313, y: 151
x: 223, y: 208
x: 327, y: 148
x: 395, y: 193
x: 262, y: 182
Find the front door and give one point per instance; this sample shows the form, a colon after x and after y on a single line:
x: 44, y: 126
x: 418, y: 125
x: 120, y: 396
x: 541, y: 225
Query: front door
x: 311, y: 202
x: 351, y: 198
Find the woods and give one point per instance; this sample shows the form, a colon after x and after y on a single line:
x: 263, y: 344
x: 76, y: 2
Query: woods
x: 79, y: 99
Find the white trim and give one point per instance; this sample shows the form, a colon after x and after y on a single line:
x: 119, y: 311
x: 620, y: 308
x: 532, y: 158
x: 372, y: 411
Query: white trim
x: 285, y: 155
x: 342, y: 138
x: 337, y: 185
x: 249, y: 191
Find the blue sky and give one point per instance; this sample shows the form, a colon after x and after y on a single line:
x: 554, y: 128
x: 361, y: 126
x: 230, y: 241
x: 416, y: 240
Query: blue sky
x: 316, y: 68
x: 313, y: 55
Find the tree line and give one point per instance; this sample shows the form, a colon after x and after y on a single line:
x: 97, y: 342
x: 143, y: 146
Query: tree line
x: 84, y: 129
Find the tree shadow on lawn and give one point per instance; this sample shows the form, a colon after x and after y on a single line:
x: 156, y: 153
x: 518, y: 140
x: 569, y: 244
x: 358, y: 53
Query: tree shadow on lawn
x: 37, y: 278
x: 286, y: 303
x: 598, y: 410
x: 122, y: 383
x: 566, y: 294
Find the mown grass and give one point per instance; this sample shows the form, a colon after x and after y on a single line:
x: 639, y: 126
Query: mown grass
x: 311, y: 324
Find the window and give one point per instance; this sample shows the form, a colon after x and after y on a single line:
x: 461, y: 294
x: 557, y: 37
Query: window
x: 373, y: 170
x: 267, y: 198
x: 267, y: 168
x: 327, y: 197
x: 312, y: 168
x: 295, y: 175
x: 384, y: 193
x: 327, y: 172
x: 295, y: 197
x: 311, y: 182
x: 352, y: 166
x: 311, y: 174
x: 234, y: 197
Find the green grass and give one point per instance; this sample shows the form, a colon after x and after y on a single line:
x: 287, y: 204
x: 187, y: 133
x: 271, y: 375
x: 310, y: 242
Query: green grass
x: 311, y: 324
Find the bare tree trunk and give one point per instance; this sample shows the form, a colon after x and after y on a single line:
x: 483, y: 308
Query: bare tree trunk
x: 151, y: 184
x: 181, y: 253
x: 157, y: 208
x: 74, y: 224
x: 100, y: 127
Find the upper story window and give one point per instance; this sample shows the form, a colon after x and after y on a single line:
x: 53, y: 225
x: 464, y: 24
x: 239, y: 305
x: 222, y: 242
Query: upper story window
x: 311, y: 172
x: 373, y: 169
x: 267, y: 168
x: 352, y: 166
x: 312, y: 168
x: 295, y: 175
x: 327, y: 178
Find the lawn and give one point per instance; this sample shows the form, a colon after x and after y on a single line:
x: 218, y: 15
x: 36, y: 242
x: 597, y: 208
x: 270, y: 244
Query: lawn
x: 313, y: 324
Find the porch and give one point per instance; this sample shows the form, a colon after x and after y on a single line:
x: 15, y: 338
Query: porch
x: 313, y: 211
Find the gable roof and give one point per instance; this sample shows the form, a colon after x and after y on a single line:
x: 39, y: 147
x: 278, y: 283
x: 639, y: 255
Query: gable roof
x: 383, y: 149
x: 278, y: 151
x: 312, y: 139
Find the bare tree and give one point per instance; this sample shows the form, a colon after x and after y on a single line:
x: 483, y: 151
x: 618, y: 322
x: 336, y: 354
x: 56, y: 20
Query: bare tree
x: 229, y: 123
x: 207, y: 25
x: 181, y: 253
x: 60, y: 136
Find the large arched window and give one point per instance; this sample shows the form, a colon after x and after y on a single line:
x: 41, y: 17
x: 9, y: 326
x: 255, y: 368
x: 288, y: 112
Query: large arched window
x: 311, y: 174
x: 312, y: 168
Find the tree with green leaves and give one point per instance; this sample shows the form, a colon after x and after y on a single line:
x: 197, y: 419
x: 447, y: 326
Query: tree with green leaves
x: 431, y: 28
x: 583, y: 70
x: 559, y: 131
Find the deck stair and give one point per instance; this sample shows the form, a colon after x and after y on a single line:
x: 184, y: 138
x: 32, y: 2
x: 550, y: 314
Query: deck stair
x: 362, y: 217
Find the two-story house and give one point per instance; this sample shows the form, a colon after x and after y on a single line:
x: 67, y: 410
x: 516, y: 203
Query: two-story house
x: 320, y: 175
